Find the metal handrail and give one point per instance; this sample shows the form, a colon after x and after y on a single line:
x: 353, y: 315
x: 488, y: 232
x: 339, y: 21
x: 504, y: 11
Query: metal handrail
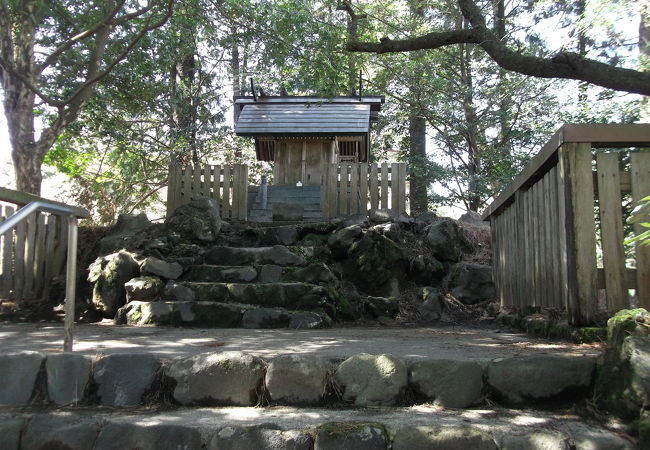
x: 71, y: 266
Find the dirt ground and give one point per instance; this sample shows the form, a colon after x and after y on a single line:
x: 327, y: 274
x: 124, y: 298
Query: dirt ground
x: 456, y: 342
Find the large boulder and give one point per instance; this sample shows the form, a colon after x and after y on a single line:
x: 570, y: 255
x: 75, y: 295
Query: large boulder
x: 123, y: 378
x: 472, y: 283
x: 147, y: 435
x: 427, y: 270
x: 449, y: 383
x: 623, y: 381
x: 160, y: 268
x: 430, y: 310
x: 68, y: 376
x: 378, y: 263
x: 475, y: 219
x: 197, y: 220
x: 265, y: 436
x: 447, y: 240
x: 541, y: 377
x: 229, y: 378
x: 340, y: 242
x: 351, y: 436
x: 143, y: 288
x: 296, y: 379
x: 58, y: 432
x: 109, y: 275
x: 126, y: 227
x: 442, y: 437
x: 315, y: 273
x: 18, y: 372
x: 372, y: 380
x: 265, y: 318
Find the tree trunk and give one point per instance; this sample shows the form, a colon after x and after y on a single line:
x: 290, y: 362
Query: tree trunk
x: 644, y: 52
x: 419, y: 180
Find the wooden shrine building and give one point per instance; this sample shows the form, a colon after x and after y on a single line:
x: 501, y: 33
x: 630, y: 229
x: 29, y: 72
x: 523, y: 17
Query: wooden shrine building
x: 302, y: 135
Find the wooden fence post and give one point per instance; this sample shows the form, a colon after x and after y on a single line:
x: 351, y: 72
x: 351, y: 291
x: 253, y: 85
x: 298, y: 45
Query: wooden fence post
x: 640, y: 178
x: 575, y: 160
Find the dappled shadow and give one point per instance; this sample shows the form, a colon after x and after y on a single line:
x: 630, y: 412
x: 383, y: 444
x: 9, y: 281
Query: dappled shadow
x: 455, y: 342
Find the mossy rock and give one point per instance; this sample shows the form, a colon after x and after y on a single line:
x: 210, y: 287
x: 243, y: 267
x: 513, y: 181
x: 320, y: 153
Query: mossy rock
x: 344, y: 308
x: 627, y: 322
x: 378, y: 261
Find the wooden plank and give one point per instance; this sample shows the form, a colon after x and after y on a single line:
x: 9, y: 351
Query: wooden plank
x: 344, y: 193
x: 607, y: 135
x: 22, y: 198
x: 187, y: 185
x: 243, y: 197
x: 6, y: 256
x: 197, y: 184
x: 384, y: 186
x: 225, y: 198
x: 61, y: 248
x: 611, y: 230
x: 640, y: 177
x: 332, y: 190
x: 548, y: 242
x: 625, y: 184
x: 39, y: 256
x: 216, y: 185
x: 581, y: 233
x: 374, y: 186
x: 629, y: 282
x: 30, y: 251
x: 354, y: 189
x: 394, y: 189
x: 19, y: 259
x: 363, y: 188
x: 402, y: 188
x: 556, y: 230
x: 50, y: 245
x: 236, y: 175
x: 562, y: 227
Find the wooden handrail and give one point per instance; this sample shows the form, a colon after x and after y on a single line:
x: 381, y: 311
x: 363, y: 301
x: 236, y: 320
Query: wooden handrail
x: 23, y: 198
x: 598, y: 135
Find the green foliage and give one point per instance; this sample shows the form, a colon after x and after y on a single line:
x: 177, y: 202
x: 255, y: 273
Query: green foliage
x: 641, y: 216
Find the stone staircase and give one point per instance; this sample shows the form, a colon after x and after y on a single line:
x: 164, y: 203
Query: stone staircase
x: 254, y: 282
x: 236, y: 400
x: 303, y: 200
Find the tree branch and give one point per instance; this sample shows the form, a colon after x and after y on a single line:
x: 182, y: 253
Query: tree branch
x: 566, y: 65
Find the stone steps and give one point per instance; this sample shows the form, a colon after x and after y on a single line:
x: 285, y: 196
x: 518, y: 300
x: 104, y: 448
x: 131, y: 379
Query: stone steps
x: 304, y: 429
x: 286, y: 295
x: 266, y: 273
x: 371, y: 401
x: 218, y: 315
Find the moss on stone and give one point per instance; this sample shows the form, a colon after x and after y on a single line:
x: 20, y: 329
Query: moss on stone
x: 343, y: 429
x: 626, y: 322
x: 344, y: 309
x: 288, y: 274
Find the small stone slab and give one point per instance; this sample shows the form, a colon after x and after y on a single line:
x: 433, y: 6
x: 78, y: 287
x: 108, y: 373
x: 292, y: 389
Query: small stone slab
x: 260, y: 437
x: 68, y: 375
x: 123, y: 378
x: 206, y: 314
x: 235, y: 256
x: 296, y: 379
x: 52, y: 432
x: 450, y: 383
x: 243, y: 274
x: 143, y: 288
x: 158, y: 267
x: 229, y: 378
x: 351, y: 436
x: 265, y: 318
x: 539, y: 377
x: 308, y: 320
x: 372, y: 380
x: 18, y: 372
x: 270, y: 273
x: 442, y: 437
x: 158, y: 436
x: 588, y: 438
x: 537, y: 440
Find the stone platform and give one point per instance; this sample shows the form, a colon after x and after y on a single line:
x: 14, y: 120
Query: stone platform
x: 472, y: 343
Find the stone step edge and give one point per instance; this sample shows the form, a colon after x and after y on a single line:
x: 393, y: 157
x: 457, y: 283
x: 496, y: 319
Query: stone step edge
x: 242, y: 274
x: 239, y: 379
x: 214, y: 429
x: 218, y: 315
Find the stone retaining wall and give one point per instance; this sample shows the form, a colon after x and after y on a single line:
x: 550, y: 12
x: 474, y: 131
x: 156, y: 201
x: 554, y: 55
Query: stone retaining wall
x: 240, y: 379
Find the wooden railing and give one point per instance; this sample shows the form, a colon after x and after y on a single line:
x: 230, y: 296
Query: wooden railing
x: 34, y: 251
x: 354, y: 188
x: 546, y: 235
x: 227, y: 185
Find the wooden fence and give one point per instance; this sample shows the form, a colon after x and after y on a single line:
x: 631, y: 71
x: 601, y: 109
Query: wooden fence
x: 227, y: 185
x: 354, y: 188
x: 565, y: 209
x: 34, y: 252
